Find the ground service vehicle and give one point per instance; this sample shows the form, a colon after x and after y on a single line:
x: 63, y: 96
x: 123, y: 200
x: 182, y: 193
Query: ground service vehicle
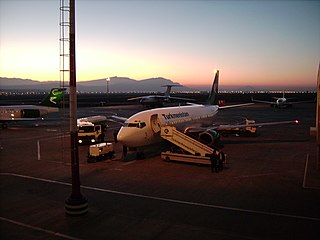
x: 100, y: 151
x: 91, y: 129
x: 246, y: 130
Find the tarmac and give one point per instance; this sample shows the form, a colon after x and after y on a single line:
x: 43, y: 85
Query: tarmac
x: 269, y: 189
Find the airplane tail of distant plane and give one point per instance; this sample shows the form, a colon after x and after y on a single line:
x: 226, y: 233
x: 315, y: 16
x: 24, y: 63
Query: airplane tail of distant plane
x: 54, y: 98
x: 167, y: 93
x: 214, y: 91
x: 283, y: 93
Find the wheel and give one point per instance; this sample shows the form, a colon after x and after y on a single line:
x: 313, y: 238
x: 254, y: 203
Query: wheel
x: 91, y: 159
x: 221, y: 160
x: 140, y: 155
x: 224, y: 134
x: 124, y: 150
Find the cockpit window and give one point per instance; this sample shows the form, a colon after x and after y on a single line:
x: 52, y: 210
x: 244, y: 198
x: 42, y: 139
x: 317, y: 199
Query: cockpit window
x: 137, y: 125
x: 132, y: 125
x: 141, y: 125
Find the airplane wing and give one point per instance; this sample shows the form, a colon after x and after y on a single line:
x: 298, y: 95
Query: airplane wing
x: 134, y: 98
x: 260, y: 101
x: 236, y: 105
x: 310, y: 101
x: 229, y: 126
x: 96, y: 118
x: 160, y: 97
x: 117, y: 119
x: 148, y: 97
x: 182, y: 99
x: 19, y: 119
x: 225, y: 127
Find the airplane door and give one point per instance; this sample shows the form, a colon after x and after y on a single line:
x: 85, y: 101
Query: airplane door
x: 155, y: 123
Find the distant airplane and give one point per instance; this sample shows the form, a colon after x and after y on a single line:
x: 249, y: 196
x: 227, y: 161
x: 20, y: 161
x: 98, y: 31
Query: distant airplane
x: 143, y: 128
x: 280, y: 102
x: 157, y: 100
x: 32, y: 112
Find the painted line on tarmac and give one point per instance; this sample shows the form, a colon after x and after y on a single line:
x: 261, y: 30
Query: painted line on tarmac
x: 39, y: 229
x: 128, y: 163
x: 305, y: 172
x: 170, y: 200
x: 304, y: 185
x: 256, y: 175
x: 42, y: 138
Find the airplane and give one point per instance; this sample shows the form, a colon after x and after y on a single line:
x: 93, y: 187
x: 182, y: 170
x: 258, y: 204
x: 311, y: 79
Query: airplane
x: 143, y: 128
x: 32, y: 112
x: 157, y: 100
x: 280, y: 102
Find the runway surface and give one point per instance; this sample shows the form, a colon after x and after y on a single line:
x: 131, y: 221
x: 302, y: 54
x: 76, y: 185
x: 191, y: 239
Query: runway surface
x: 266, y: 190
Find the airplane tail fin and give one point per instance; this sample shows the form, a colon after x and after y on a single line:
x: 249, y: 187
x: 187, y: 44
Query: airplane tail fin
x: 167, y: 93
x: 54, y: 98
x: 214, y: 91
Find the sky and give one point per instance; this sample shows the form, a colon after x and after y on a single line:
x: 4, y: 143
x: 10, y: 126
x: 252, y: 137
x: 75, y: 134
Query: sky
x: 252, y: 43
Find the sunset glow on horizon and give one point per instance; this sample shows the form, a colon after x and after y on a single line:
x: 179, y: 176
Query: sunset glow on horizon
x: 252, y: 43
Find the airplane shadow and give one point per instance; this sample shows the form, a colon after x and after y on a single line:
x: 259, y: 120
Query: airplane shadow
x: 149, y: 152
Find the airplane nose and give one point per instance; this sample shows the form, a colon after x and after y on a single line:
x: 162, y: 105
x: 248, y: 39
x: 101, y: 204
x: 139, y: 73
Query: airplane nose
x: 129, y: 137
x: 124, y: 137
x: 120, y: 136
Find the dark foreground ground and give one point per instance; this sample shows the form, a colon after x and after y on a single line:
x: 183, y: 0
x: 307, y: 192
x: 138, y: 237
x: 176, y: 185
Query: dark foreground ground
x: 269, y: 189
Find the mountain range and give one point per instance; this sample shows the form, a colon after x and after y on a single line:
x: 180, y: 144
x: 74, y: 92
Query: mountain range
x: 116, y: 84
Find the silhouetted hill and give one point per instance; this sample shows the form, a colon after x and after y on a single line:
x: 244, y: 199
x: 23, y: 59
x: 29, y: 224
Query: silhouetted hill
x: 116, y: 84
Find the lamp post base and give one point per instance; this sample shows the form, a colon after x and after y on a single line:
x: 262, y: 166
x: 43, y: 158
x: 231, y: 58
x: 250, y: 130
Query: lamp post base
x: 76, y: 206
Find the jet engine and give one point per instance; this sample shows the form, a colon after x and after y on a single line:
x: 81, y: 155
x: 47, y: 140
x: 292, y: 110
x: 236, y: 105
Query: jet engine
x: 30, y: 113
x: 209, y: 137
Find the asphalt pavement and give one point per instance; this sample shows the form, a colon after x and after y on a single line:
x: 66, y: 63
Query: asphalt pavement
x: 269, y: 189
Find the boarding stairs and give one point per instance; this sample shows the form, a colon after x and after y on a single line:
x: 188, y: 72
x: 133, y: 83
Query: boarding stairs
x: 192, y: 146
x: 197, y: 152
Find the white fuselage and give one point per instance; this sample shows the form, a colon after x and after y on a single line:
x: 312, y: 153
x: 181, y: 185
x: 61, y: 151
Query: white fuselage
x: 281, y: 101
x: 142, y: 129
x: 19, y: 111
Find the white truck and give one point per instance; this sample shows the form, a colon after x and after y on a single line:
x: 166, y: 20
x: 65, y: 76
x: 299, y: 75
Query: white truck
x: 91, y: 130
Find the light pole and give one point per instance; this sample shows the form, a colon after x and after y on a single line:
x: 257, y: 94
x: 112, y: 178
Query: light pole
x: 318, y: 118
x: 108, y: 82
x: 76, y: 204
